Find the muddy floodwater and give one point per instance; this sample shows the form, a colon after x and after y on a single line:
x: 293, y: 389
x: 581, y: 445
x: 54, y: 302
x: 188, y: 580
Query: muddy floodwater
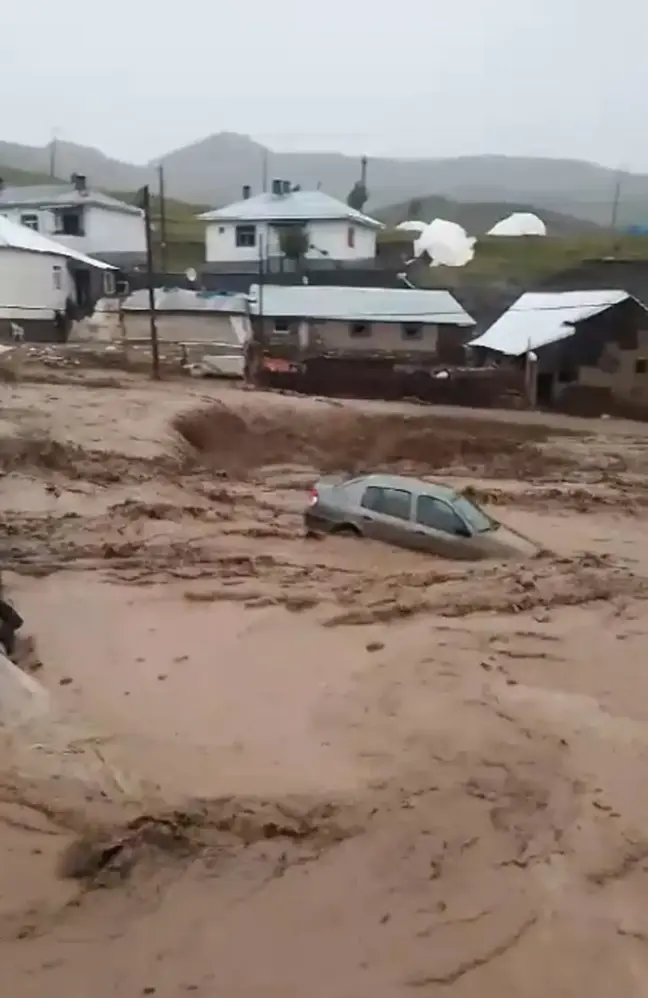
x: 326, y: 767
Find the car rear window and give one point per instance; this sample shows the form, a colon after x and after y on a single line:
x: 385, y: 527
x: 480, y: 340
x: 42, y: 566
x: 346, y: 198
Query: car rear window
x: 389, y: 502
x: 438, y: 515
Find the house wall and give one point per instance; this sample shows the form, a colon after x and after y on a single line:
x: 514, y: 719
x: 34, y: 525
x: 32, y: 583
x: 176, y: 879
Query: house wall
x: 385, y: 336
x: 329, y: 238
x: 105, y: 231
x: 32, y: 285
x: 184, y: 328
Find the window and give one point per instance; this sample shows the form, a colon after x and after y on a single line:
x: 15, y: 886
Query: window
x: 221, y: 230
x: 57, y: 277
x: 389, y: 502
x: 30, y: 221
x: 351, y: 237
x: 412, y: 331
x: 69, y: 222
x: 245, y: 236
x: 437, y: 514
x: 360, y: 329
x: 473, y: 515
x: 282, y: 325
x: 641, y: 365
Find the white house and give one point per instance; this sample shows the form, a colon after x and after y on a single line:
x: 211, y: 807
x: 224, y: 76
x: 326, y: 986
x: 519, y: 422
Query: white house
x: 40, y: 277
x: 82, y: 219
x: 250, y: 229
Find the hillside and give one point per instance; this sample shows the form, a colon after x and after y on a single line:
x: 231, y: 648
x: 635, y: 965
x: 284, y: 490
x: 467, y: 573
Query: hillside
x: 213, y: 170
x: 477, y: 217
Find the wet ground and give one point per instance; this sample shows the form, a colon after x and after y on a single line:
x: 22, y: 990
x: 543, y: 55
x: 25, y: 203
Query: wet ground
x: 350, y: 770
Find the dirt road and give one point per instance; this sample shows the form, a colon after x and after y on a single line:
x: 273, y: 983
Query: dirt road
x: 361, y: 772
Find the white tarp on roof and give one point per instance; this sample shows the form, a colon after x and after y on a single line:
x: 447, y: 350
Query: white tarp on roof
x: 411, y: 225
x: 308, y: 301
x: 520, y: 223
x: 14, y: 236
x: 539, y: 318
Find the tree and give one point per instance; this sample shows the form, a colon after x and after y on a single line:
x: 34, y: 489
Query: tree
x: 293, y: 242
x: 358, y: 196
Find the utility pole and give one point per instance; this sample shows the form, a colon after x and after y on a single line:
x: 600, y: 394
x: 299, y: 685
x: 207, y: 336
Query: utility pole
x: 52, y: 157
x: 615, y: 201
x: 164, y: 255
x: 144, y: 202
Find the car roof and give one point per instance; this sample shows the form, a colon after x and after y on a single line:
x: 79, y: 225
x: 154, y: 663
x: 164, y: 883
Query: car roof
x: 406, y: 482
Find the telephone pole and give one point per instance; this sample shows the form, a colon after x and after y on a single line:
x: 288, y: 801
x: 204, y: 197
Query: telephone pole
x: 164, y: 254
x: 144, y: 202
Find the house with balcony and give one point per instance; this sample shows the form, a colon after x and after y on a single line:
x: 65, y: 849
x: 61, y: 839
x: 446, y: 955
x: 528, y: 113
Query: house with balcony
x: 260, y: 228
x: 80, y: 218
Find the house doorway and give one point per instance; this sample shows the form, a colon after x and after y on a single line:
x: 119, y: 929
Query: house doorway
x: 82, y: 290
x: 545, y: 389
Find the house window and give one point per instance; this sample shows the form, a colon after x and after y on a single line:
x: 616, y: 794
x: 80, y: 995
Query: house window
x: 30, y: 221
x: 360, y: 329
x: 351, y: 237
x: 69, y: 222
x: 57, y: 277
x: 221, y: 230
x: 245, y: 236
x: 282, y: 325
x: 412, y: 331
x: 641, y: 365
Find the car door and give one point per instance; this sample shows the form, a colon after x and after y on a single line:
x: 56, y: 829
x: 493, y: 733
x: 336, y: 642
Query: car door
x: 386, y: 514
x: 440, y: 530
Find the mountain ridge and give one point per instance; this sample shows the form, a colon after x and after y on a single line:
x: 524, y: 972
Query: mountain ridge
x: 212, y: 171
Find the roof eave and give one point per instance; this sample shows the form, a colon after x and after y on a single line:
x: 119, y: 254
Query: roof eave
x: 365, y: 220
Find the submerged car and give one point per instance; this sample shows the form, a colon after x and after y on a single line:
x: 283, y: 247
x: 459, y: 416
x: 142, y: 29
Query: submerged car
x: 407, y: 512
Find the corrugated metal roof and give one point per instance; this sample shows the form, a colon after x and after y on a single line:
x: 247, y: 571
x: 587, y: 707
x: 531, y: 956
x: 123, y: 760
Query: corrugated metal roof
x: 14, y: 236
x: 309, y: 301
x: 296, y: 206
x: 185, y: 300
x: 539, y: 318
x: 61, y: 195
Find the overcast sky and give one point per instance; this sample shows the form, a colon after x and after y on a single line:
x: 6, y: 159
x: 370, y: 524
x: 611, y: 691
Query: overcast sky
x: 137, y: 78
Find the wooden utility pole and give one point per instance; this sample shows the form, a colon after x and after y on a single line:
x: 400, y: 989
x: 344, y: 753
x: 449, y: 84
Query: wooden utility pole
x: 164, y: 254
x: 144, y: 202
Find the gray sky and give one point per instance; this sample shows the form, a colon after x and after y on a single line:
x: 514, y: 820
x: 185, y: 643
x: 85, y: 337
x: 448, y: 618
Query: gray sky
x: 136, y: 79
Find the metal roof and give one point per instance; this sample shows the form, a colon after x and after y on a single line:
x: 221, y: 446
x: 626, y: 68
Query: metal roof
x: 19, y: 237
x: 185, y: 300
x: 308, y: 301
x: 293, y: 207
x: 539, y: 318
x: 60, y: 195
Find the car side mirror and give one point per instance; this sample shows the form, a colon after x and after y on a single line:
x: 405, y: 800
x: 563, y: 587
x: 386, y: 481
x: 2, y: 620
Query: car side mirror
x: 463, y: 530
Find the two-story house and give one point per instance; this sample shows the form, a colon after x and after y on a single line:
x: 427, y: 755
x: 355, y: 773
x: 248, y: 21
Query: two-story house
x: 85, y: 220
x: 252, y: 229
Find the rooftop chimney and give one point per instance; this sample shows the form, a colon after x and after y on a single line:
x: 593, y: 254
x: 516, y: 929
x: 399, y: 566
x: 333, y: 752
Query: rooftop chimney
x: 287, y: 187
x: 79, y: 182
x: 277, y: 187
x: 247, y: 190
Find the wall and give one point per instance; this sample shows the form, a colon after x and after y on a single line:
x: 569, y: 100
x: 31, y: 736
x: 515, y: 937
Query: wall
x: 28, y: 284
x: 179, y: 328
x: 329, y: 238
x: 105, y: 231
x: 385, y: 336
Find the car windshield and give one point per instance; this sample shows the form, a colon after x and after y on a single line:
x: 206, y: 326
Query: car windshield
x: 476, y: 519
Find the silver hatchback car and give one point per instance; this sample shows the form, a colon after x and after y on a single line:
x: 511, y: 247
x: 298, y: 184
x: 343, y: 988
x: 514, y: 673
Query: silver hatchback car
x: 408, y: 512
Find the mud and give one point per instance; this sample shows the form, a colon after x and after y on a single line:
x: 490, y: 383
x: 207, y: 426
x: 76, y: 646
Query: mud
x: 348, y: 769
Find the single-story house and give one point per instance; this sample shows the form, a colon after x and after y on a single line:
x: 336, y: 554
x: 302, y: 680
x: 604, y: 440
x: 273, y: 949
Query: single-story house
x: 594, y: 339
x: 43, y: 283
x: 396, y: 323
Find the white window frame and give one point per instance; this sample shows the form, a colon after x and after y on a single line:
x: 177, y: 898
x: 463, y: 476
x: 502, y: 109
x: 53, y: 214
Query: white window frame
x: 31, y: 220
